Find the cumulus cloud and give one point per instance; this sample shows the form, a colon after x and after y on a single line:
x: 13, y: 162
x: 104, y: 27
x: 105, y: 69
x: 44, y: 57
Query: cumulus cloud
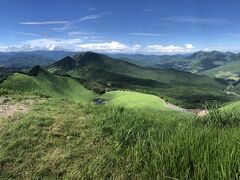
x: 109, y: 47
x: 189, y: 46
x: 113, y: 46
x: 44, y: 44
x: 54, y: 43
x: 84, y: 44
x: 3, y: 48
x: 160, y: 49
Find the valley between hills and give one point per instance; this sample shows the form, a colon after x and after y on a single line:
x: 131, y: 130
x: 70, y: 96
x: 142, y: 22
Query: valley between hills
x: 96, y: 116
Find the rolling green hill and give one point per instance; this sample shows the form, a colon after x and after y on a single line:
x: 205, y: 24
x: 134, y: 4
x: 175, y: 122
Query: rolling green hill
x: 39, y: 81
x: 135, y: 100
x: 232, y: 106
x: 111, y: 74
x: 141, y: 139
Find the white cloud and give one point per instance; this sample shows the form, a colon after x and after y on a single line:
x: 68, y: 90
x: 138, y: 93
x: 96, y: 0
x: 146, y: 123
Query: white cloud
x: 44, y: 44
x: 189, y: 46
x: 137, y: 46
x: 94, y: 16
x: 113, y: 46
x: 83, y: 44
x: 28, y: 34
x: 54, y: 43
x: 69, y: 25
x: 75, y: 33
x: 90, y: 17
x: 92, y: 9
x: 169, y: 49
x: 3, y: 48
x: 194, y: 20
x: 146, y: 34
x: 148, y: 9
x: 43, y: 22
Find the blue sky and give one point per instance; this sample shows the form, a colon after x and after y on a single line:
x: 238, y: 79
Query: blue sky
x: 129, y: 26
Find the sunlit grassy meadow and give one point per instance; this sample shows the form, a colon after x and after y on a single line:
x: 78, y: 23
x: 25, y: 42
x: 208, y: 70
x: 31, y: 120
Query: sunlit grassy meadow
x: 67, y: 140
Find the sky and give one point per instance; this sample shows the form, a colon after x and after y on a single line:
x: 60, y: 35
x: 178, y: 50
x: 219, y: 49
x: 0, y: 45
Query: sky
x: 120, y: 26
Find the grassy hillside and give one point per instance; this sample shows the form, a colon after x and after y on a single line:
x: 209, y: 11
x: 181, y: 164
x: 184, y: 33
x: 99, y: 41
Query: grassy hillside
x: 133, y: 136
x: 111, y: 74
x: 232, y: 106
x: 47, y: 84
x: 58, y: 139
x: 135, y: 100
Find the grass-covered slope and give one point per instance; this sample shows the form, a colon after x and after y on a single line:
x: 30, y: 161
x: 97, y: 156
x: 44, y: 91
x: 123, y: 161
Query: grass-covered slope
x: 63, y: 140
x: 232, y: 106
x: 135, y: 100
x: 39, y: 81
x: 111, y: 74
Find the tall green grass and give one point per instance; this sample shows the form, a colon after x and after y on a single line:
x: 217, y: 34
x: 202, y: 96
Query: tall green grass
x: 64, y: 140
x: 145, y: 146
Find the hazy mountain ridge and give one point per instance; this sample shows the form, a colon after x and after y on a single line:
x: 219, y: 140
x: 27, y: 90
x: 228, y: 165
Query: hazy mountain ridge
x: 30, y: 59
x: 213, y: 63
x: 110, y: 73
x: 224, y: 65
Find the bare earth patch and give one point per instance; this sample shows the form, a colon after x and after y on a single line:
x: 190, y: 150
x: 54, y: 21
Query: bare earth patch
x: 9, y: 106
x: 199, y: 112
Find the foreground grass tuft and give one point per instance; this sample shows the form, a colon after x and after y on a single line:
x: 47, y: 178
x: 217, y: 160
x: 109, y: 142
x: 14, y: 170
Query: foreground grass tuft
x: 65, y: 140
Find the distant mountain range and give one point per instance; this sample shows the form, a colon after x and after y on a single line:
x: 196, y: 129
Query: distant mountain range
x: 102, y: 73
x: 20, y: 60
x: 223, y: 65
